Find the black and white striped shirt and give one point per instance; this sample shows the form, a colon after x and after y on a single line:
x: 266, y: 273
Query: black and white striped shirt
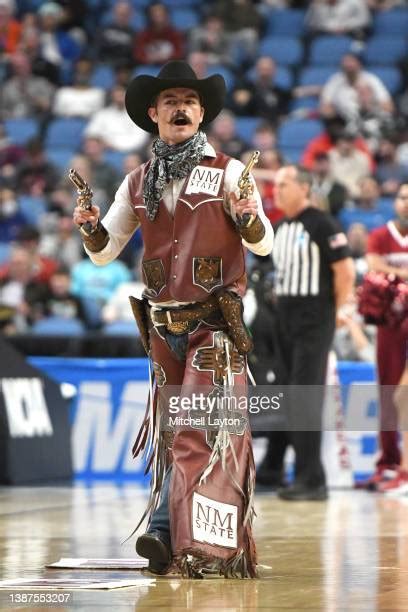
x: 304, y: 249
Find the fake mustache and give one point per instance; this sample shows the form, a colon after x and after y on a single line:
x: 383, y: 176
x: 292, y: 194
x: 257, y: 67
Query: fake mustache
x: 180, y: 118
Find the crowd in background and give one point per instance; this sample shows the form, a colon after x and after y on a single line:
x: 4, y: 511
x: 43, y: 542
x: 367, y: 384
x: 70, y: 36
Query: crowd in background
x: 306, y: 83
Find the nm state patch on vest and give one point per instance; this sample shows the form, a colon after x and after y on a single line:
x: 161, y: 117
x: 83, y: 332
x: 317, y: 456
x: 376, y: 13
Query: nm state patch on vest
x: 204, y: 180
x: 214, y: 522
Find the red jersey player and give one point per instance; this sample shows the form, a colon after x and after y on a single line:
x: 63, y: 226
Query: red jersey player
x: 387, y: 251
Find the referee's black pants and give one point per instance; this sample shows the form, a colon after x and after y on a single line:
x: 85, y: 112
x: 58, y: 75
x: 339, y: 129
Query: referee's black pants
x: 304, y: 334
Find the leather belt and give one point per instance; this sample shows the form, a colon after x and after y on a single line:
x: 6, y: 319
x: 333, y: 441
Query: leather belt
x: 178, y: 320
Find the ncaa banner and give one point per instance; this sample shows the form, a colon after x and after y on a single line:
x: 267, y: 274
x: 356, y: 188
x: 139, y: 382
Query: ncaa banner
x: 109, y: 407
x: 34, y: 423
x: 106, y: 414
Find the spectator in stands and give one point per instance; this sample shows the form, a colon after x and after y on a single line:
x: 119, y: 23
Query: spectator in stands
x: 104, y: 175
x: 350, y: 17
x: 57, y: 46
x: 30, y: 45
x: 353, y: 339
x: 271, y: 101
x: 11, y: 218
x: 159, y: 42
x: 264, y: 137
x: 42, y: 267
x: 118, y: 306
x: 23, y: 94
x: 264, y: 173
x: 327, y: 193
x: 223, y: 129
x: 324, y: 142
x: 60, y: 202
x: 243, y: 23
x: 199, y: 63
x: 369, y: 194
x: 98, y: 283
x: 211, y: 38
x: 357, y: 236
x: 80, y: 99
x: 114, y: 42
x: 347, y: 164
x: 62, y: 242
x: 10, y: 155
x: 374, y: 118
x: 131, y: 162
x: 258, y: 95
x: 390, y: 172
x: 10, y: 28
x: 113, y: 125
x: 72, y: 20
x: 35, y: 175
x: 345, y: 93
x: 384, y: 5
x: 240, y: 99
x: 18, y: 285
x: 56, y: 300
x: 123, y: 73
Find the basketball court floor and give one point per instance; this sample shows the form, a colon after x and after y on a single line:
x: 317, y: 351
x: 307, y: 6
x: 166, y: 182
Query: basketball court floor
x: 349, y: 553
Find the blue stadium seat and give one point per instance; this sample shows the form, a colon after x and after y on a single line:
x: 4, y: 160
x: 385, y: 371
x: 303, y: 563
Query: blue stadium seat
x: 146, y: 69
x: 371, y: 219
x: 58, y: 326
x: 103, y: 76
x: 328, y: 50
x: 137, y: 21
x: 389, y: 75
x: 184, y: 18
x: 385, y: 50
x: 297, y: 133
x: 65, y: 133
x: 292, y: 154
x: 246, y: 126
x: 115, y: 159
x: 21, y: 130
x: 60, y: 157
x: 121, y: 328
x: 32, y: 208
x: 225, y: 72
x: 283, y: 76
x: 316, y: 75
x: 391, y: 22
x: 285, y: 50
x: 386, y: 206
x: 307, y: 103
x: 4, y: 251
x: 286, y: 22
x: 92, y: 311
x: 178, y: 3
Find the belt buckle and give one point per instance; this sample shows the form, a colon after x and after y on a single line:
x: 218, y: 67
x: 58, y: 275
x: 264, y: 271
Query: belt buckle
x: 175, y: 327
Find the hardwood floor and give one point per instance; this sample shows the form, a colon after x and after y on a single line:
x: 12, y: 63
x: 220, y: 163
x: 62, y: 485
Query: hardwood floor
x: 348, y: 554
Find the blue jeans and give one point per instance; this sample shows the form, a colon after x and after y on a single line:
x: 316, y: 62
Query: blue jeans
x: 160, y: 520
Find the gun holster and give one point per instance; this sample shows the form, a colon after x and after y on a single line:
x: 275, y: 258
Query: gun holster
x: 232, y: 311
x: 139, y: 309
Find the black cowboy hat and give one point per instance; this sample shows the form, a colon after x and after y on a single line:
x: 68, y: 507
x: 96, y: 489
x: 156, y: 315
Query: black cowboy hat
x: 144, y: 88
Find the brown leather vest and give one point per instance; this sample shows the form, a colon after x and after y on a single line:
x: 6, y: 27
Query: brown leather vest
x: 199, y: 250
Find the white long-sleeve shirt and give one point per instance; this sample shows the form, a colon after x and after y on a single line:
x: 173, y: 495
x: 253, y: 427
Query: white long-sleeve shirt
x: 121, y: 222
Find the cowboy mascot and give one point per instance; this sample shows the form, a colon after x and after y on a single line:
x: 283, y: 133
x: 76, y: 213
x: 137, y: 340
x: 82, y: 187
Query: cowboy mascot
x: 196, y: 226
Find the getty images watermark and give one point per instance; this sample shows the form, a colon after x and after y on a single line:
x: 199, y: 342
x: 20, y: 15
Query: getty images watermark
x: 351, y: 407
x: 214, y: 407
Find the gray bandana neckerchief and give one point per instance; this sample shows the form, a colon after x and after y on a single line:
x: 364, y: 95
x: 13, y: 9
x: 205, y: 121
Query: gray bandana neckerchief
x: 170, y: 162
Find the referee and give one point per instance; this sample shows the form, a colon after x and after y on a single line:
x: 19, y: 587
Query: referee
x: 314, y: 276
